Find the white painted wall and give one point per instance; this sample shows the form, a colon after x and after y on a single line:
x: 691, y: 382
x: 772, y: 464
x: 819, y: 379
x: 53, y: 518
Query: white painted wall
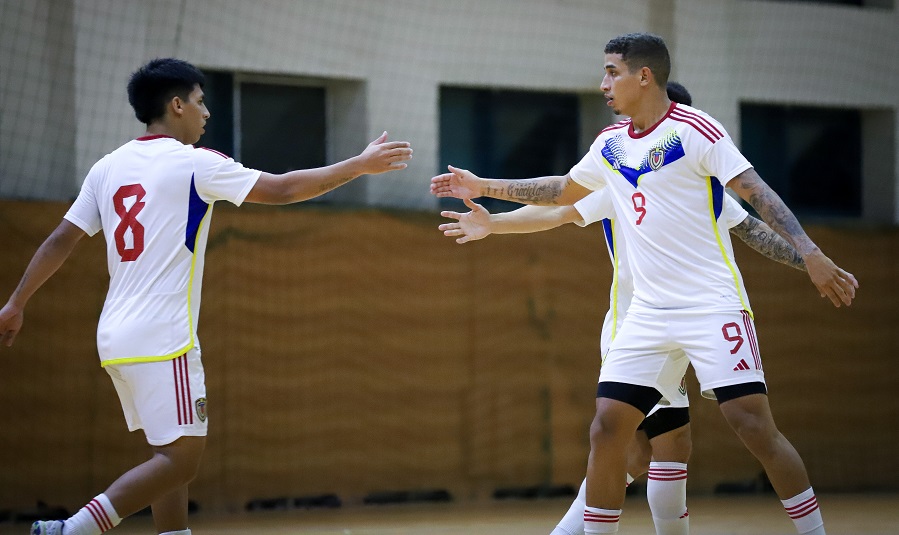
x: 725, y: 51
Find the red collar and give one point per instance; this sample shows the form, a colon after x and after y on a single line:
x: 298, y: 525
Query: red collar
x: 152, y: 137
x: 630, y: 129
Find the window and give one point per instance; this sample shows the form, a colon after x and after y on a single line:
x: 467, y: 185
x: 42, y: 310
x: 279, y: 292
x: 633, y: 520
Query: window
x: 812, y: 157
x: 508, y: 134
x: 278, y: 124
x: 281, y: 127
x: 884, y: 4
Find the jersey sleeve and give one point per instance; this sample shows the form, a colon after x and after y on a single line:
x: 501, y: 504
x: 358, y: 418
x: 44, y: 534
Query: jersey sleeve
x: 218, y: 177
x: 589, y: 172
x: 732, y: 214
x: 85, y: 211
x: 595, y: 207
x: 724, y: 160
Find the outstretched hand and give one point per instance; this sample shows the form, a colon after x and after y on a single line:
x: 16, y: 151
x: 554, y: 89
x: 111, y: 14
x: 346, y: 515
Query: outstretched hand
x: 381, y: 156
x: 458, y: 183
x: 832, y: 282
x: 11, y: 319
x: 471, y: 226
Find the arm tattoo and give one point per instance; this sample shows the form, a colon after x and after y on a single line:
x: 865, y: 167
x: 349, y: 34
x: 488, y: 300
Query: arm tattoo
x: 768, y: 243
x: 775, y: 213
x: 540, y: 191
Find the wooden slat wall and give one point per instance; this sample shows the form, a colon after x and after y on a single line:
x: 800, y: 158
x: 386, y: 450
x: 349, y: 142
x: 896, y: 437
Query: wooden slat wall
x: 360, y: 351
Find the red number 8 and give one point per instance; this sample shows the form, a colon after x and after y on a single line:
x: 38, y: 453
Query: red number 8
x: 129, y: 220
x: 639, y: 208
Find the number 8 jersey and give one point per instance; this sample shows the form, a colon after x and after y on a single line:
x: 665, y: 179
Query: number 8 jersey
x: 667, y: 186
x: 153, y: 199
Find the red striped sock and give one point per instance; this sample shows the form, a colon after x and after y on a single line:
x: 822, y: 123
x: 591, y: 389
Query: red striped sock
x: 97, y: 517
x: 600, y: 520
x: 666, y: 492
x: 803, y: 510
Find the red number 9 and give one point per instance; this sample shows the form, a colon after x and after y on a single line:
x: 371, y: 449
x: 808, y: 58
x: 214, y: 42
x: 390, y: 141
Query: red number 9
x: 639, y: 205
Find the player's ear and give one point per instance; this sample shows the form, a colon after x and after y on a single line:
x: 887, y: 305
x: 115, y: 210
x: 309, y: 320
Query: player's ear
x: 645, y: 76
x: 177, y: 105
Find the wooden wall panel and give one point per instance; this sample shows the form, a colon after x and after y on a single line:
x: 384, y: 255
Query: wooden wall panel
x: 361, y: 351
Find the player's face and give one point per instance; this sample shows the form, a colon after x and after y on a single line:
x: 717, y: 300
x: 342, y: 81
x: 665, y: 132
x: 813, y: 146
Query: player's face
x: 620, y: 86
x: 195, y: 114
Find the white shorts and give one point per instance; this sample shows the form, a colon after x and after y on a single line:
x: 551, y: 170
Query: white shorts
x: 678, y: 396
x: 166, y: 399
x: 721, y: 346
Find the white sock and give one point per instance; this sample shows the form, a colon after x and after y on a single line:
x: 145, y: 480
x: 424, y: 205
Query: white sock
x: 598, y: 520
x: 573, y: 521
x: 666, y: 491
x: 95, y: 518
x: 181, y: 532
x: 803, y: 510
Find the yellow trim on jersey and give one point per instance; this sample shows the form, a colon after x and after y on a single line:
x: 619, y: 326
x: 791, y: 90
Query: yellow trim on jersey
x: 614, y: 302
x: 190, y: 320
x: 730, y: 266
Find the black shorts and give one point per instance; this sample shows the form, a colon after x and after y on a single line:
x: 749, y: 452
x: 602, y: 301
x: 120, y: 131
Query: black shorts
x: 664, y: 420
x: 727, y: 393
x: 643, y: 398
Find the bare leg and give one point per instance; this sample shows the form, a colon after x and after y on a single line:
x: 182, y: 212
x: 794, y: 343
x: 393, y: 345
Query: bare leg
x: 750, y: 417
x: 170, y: 511
x: 611, y: 433
x: 172, y: 467
x: 639, y: 455
x: 674, y: 446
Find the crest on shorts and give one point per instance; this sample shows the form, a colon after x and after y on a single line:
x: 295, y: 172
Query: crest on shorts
x: 201, y: 409
x: 656, y: 159
x: 683, y: 386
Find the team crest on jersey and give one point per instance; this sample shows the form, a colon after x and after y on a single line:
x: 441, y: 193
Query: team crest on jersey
x: 656, y: 159
x: 201, y: 409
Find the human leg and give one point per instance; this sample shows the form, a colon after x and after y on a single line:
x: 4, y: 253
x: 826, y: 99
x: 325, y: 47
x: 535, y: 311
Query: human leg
x: 170, y: 511
x: 750, y: 417
x: 723, y: 350
x: 619, y: 410
x: 666, y: 488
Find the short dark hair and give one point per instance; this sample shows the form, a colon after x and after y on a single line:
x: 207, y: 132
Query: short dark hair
x: 154, y: 84
x: 640, y: 50
x: 678, y: 93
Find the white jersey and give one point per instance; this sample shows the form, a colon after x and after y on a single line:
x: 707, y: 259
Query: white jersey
x: 153, y: 197
x: 598, y: 207
x: 667, y: 187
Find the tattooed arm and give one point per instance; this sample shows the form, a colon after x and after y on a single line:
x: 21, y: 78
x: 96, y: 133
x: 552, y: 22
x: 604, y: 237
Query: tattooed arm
x: 768, y: 243
x: 832, y: 282
x: 547, y: 190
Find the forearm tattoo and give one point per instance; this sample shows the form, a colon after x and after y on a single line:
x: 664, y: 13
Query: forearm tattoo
x: 770, y: 244
x: 532, y: 191
x: 775, y: 213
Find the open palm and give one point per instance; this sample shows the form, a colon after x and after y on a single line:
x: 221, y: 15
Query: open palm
x: 469, y: 226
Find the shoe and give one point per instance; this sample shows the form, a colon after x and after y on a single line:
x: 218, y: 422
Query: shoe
x: 47, y: 527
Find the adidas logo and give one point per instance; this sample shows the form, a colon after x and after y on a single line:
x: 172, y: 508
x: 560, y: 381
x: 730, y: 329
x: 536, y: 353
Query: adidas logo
x: 741, y: 366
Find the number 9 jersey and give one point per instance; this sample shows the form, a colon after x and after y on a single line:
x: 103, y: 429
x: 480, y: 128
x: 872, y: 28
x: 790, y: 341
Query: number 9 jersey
x: 667, y: 186
x: 153, y: 199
